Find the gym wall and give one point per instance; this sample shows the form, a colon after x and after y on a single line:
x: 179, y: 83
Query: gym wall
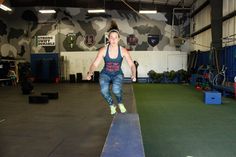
x: 73, y: 26
x: 160, y: 61
x: 201, y: 22
x: 229, y: 26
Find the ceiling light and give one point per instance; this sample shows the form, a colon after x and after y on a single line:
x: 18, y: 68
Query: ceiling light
x: 47, y: 11
x: 147, y: 11
x: 5, y: 8
x: 96, y: 11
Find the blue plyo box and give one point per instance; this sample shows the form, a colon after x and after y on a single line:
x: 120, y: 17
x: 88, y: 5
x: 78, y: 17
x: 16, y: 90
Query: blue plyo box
x: 212, y: 97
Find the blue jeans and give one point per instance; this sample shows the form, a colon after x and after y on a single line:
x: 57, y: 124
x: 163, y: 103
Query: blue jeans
x: 116, y: 81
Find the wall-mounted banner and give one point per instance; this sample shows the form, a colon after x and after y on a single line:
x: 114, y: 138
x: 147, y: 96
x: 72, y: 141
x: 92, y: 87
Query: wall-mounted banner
x: 153, y: 40
x: 45, y: 40
x: 89, y: 40
x: 132, y: 40
x: 71, y: 39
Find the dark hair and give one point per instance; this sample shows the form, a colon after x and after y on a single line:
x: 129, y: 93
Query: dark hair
x: 113, y: 28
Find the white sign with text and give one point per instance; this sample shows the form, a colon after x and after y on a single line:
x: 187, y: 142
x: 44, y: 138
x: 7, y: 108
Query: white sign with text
x: 45, y: 40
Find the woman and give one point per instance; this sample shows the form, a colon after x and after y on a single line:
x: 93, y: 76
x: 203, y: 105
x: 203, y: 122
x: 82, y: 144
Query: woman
x: 12, y: 75
x: 111, y: 73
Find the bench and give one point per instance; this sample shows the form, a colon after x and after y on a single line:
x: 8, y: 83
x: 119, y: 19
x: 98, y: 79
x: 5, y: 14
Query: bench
x: 124, y: 138
x: 4, y: 80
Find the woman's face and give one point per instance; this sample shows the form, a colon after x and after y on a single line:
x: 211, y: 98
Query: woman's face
x: 113, y: 38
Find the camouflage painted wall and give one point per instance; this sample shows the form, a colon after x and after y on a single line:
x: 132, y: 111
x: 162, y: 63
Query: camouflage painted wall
x: 73, y: 26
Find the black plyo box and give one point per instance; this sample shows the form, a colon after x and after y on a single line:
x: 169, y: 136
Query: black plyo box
x: 51, y: 95
x: 38, y: 99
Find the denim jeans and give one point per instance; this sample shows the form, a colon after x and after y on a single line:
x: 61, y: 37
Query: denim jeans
x: 116, y: 81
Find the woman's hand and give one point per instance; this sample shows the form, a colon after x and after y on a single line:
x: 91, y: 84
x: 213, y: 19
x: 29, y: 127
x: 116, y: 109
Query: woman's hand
x: 89, y: 76
x: 133, y: 78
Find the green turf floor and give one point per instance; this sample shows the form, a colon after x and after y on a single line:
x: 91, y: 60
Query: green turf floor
x: 175, y: 122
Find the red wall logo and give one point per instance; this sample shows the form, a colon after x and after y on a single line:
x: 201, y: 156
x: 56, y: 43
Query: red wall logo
x: 132, y: 40
x: 89, y: 40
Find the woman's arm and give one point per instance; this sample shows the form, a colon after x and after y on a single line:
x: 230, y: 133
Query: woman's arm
x: 130, y: 62
x: 95, y: 63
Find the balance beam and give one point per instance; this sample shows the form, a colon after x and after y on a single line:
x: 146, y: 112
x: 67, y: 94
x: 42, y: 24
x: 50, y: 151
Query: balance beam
x: 124, y: 138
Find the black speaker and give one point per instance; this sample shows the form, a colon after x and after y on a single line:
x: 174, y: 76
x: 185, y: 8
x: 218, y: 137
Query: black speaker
x: 96, y: 76
x: 72, y: 78
x: 79, y: 77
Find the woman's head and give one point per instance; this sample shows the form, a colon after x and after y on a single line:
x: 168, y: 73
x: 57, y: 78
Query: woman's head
x: 113, y: 33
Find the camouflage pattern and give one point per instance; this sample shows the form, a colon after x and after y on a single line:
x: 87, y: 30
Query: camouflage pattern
x: 19, y: 28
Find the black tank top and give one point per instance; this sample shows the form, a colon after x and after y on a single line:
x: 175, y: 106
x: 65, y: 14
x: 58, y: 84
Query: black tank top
x: 112, y: 66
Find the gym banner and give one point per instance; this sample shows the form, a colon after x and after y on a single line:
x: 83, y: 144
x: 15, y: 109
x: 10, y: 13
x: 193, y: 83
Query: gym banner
x: 89, y: 40
x: 153, y: 40
x: 45, y: 40
x: 132, y: 40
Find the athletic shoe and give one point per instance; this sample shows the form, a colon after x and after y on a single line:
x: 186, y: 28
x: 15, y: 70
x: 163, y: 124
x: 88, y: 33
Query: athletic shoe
x: 122, y: 108
x: 113, y: 109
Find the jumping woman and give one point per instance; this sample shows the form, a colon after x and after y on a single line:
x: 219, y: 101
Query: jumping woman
x: 111, y: 73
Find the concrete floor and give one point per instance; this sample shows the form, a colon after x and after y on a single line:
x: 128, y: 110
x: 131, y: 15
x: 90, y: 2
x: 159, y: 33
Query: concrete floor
x: 75, y: 125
